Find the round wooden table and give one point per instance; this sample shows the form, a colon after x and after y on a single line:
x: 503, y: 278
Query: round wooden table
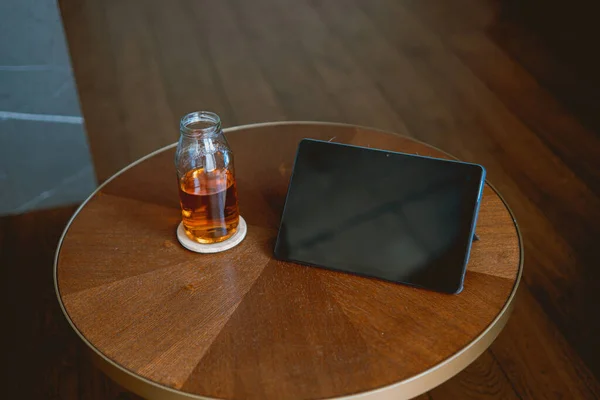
x: 171, y: 324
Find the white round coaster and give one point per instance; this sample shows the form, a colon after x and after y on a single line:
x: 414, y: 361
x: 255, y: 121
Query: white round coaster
x: 233, y: 241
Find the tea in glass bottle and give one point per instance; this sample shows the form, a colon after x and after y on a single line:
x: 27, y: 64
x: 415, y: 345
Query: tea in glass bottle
x: 206, y: 178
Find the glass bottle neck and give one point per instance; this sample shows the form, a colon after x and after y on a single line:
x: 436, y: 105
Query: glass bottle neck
x: 200, y: 125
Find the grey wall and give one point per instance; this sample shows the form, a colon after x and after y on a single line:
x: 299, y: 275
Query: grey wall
x: 44, y: 155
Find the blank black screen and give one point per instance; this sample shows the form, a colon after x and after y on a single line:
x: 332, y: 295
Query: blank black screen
x: 392, y: 216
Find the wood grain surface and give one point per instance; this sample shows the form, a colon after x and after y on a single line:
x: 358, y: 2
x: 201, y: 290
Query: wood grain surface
x: 240, y: 324
x: 510, y: 84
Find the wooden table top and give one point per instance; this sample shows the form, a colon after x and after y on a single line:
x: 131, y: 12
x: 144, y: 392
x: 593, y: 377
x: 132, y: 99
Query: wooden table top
x: 169, y: 323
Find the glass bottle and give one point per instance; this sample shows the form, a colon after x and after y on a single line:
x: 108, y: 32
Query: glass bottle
x: 206, y: 178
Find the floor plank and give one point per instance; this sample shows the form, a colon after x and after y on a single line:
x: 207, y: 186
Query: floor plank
x: 537, y: 359
x: 47, y: 359
x: 484, y: 379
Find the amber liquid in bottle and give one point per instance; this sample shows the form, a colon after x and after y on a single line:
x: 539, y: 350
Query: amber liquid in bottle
x: 209, y: 205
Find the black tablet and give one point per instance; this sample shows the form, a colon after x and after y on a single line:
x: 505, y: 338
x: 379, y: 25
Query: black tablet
x: 393, y: 216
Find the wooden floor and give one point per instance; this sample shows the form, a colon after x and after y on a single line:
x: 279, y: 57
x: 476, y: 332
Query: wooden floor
x: 494, y: 82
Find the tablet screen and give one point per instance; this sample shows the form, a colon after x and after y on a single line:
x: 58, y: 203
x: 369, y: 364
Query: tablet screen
x: 394, y: 216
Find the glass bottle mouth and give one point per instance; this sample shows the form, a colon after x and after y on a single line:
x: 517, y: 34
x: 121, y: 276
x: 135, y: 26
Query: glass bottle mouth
x: 200, y: 123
